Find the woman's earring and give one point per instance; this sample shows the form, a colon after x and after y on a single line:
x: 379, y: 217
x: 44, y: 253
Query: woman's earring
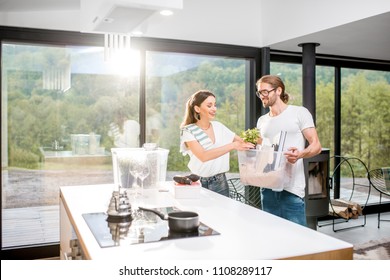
x: 197, y: 116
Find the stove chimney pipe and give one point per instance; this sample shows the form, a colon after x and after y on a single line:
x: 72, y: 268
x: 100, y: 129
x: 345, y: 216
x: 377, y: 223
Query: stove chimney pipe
x: 309, y: 77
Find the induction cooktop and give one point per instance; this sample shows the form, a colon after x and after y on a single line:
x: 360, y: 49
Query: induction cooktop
x: 141, y: 227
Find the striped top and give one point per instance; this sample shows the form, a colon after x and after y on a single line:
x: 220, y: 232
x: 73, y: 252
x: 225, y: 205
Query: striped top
x: 203, y: 139
x: 223, y: 136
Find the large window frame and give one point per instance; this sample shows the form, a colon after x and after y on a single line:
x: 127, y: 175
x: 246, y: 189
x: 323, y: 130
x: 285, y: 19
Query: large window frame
x: 338, y: 63
x: 259, y: 65
x: 64, y: 38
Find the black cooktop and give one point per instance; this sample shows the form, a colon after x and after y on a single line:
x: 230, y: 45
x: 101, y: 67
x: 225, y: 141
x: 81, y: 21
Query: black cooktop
x: 141, y: 227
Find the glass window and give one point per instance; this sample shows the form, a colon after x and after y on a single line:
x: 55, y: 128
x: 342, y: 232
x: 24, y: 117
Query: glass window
x: 170, y: 80
x: 365, y: 129
x: 325, y: 105
x: 364, y: 115
x: 63, y: 109
x: 291, y: 74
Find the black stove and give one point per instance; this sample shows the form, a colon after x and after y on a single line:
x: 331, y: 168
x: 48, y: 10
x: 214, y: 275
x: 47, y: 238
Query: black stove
x: 141, y: 227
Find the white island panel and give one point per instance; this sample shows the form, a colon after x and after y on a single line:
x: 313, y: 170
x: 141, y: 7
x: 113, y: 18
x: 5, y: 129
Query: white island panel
x: 246, y: 233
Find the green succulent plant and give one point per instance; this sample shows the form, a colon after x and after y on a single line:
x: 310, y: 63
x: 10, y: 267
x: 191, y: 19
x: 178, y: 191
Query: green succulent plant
x: 250, y: 135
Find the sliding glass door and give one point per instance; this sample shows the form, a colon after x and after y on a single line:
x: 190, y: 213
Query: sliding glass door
x: 65, y: 107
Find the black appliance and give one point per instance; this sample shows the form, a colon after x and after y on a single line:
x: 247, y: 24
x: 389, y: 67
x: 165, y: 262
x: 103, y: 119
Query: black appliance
x: 317, y: 187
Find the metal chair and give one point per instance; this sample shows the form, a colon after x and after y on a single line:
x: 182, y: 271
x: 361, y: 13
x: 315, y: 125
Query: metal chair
x: 246, y: 194
x: 379, y: 179
x: 349, y: 196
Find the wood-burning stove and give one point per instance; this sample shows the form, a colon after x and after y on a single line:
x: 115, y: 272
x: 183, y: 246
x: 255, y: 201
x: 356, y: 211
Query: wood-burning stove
x: 317, y: 187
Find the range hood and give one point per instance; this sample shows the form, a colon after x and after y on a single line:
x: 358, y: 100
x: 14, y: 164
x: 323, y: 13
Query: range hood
x: 120, y: 16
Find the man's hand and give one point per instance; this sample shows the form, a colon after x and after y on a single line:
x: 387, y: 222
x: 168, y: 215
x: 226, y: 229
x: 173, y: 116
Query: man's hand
x: 292, y: 155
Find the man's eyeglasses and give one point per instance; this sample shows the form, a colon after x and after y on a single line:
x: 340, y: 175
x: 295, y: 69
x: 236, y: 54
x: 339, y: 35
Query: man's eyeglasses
x: 264, y: 92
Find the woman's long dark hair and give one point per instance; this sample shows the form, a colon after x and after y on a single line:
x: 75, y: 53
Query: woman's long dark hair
x: 190, y: 116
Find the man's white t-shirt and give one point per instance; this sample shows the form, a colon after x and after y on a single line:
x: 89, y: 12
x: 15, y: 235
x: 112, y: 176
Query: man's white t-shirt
x: 293, y: 120
x: 223, y: 136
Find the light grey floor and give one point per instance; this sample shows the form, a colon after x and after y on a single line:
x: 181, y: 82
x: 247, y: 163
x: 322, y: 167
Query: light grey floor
x: 360, y: 235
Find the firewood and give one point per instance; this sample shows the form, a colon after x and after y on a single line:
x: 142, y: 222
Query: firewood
x: 341, y: 211
x: 349, y: 204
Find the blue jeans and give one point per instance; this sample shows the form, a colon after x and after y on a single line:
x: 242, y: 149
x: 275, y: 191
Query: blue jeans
x: 217, y: 183
x: 285, y: 205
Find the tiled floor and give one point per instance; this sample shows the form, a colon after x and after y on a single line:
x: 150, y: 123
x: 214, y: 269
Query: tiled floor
x: 30, y: 225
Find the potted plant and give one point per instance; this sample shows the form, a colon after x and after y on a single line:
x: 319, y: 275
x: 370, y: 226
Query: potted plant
x: 251, y: 136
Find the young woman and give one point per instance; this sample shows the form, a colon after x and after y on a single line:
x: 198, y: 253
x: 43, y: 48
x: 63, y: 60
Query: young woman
x: 208, y: 142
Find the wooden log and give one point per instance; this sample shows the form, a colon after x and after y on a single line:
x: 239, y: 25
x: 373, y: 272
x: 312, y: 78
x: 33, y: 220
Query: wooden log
x: 346, y: 203
x: 340, y: 211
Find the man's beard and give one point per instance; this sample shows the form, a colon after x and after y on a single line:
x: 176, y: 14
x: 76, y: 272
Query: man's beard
x: 269, y: 103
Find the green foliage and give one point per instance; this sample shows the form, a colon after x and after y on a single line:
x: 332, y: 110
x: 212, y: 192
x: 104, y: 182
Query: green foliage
x: 250, y: 135
x: 365, y: 114
x: 23, y: 158
x: 224, y: 77
x: 234, y: 162
x: 37, y: 116
x: 176, y: 161
x: 291, y: 75
x: 325, y: 112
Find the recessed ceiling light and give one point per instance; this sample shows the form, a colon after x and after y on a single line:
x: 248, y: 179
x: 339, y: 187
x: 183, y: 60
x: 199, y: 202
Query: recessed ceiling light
x: 166, y: 12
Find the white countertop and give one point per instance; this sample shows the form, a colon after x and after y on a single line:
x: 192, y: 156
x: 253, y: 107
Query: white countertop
x: 246, y: 233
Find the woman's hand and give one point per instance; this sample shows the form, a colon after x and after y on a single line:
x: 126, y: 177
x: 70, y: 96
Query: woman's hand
x: 242, y: 146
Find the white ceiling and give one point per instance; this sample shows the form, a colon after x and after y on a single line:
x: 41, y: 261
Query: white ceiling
x: 366, y: 38
x: 38, y: 5
x: 226, y: 21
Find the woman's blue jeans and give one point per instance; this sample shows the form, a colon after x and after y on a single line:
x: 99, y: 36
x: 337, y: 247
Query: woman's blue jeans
x: 217, y: 183
x: 285, y: 205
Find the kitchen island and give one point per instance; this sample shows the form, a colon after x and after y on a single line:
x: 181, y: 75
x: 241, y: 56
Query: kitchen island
x: 245, y: 232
